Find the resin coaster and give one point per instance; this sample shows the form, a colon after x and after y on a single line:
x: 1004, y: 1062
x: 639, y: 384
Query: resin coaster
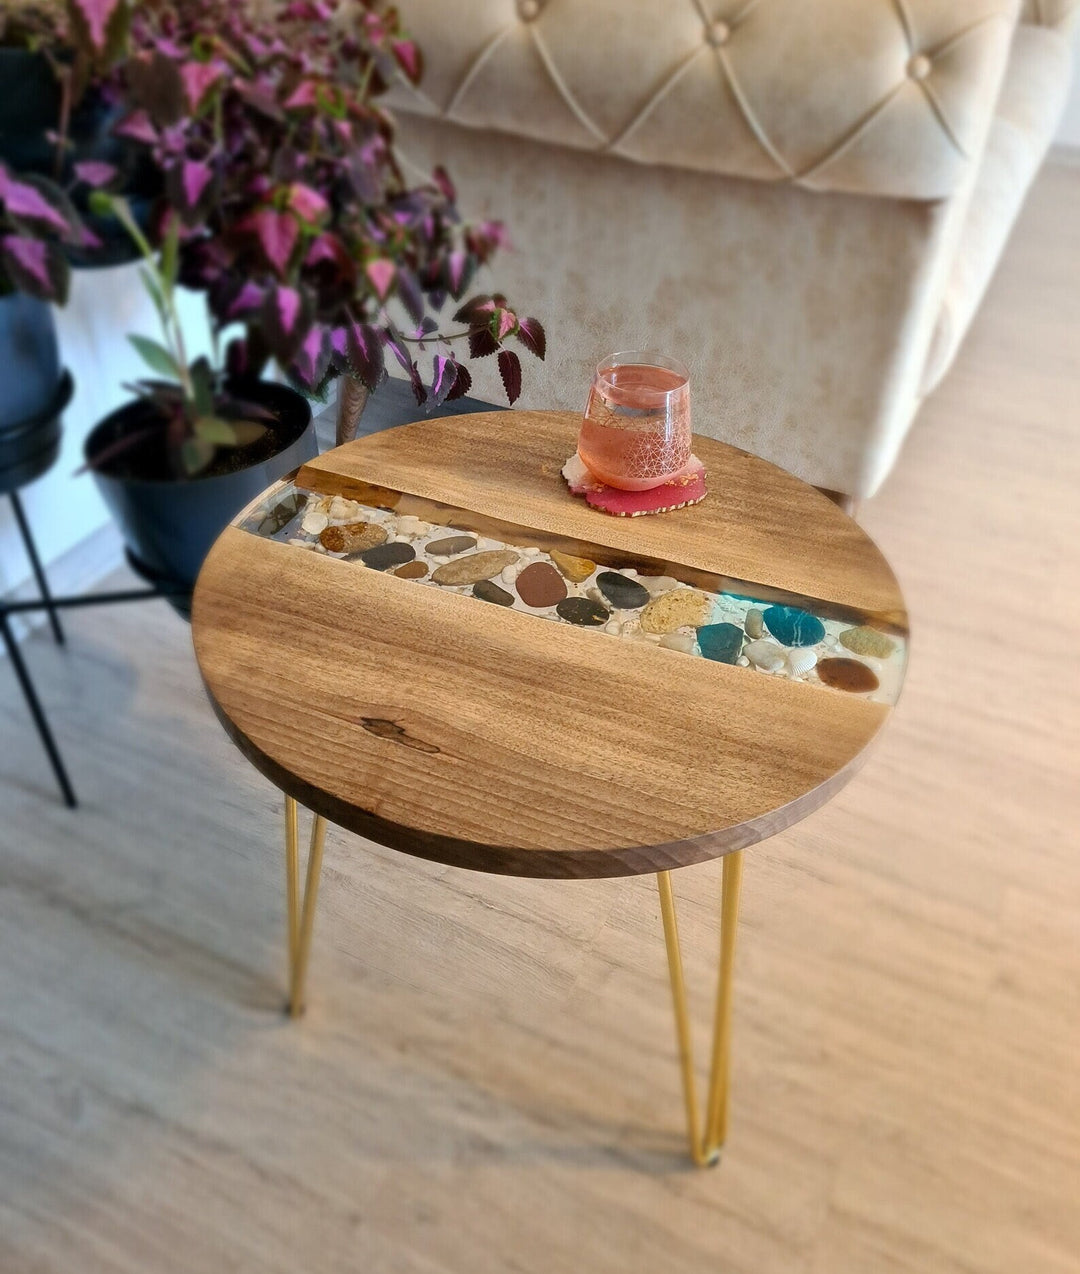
x: 684, y: 489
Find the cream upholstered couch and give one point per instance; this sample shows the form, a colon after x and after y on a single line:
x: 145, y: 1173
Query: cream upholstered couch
x: 802, y: 199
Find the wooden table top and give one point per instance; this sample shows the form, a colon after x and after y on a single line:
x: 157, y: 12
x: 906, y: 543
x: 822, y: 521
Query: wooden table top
x: 488, y: 736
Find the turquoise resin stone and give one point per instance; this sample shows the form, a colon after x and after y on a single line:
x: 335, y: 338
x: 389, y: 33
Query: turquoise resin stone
x: 721, y: 642
x: 793, y: 627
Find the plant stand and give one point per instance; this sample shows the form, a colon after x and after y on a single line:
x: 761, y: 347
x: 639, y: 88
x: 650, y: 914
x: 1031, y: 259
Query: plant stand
x: 52, y: 606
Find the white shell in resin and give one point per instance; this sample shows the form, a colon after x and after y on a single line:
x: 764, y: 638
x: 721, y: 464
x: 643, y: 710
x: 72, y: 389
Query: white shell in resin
x: 800, y: 660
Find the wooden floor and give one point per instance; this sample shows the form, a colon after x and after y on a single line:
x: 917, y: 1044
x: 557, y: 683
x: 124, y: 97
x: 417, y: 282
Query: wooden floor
x: 486, y: 1080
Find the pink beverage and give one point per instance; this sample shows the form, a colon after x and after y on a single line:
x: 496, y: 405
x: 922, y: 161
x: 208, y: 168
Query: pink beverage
x: 636, y: 431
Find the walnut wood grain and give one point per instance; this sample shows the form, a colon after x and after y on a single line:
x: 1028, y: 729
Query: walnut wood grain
x: 486, y: 738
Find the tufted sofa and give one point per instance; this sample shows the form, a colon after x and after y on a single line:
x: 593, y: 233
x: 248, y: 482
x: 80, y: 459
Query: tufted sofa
x: 803, y: 199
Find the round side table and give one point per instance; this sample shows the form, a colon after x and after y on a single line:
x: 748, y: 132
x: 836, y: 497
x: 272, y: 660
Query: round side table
x: 425, y: 639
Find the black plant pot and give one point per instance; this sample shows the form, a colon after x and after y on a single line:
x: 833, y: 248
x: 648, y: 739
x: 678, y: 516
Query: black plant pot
x: 31, y: 446
x: 29, y: 358
x: 29, y: 109
x: 34, y: 392
x: 30, y: 105
x: 170, y: 525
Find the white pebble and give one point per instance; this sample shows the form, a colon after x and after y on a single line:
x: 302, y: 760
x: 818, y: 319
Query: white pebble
x: 766, y: 655
x: 743, y: 662
x: 531, y: 551
x: 342, y: 510
x: 486, y: 546
x: 678, y: 641
x: 658, y: 583
x: 408, y: 525
x: 302, y: 544
x: 629, y: 572
x: 315, y: 522
x: 612, y: 626
x: 510, y: 574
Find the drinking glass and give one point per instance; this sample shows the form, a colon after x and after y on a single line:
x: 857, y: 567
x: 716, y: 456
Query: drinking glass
x: 636, y: 431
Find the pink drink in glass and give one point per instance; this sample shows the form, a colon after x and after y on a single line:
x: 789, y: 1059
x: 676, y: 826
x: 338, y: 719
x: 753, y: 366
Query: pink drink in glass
x: 636, y: 431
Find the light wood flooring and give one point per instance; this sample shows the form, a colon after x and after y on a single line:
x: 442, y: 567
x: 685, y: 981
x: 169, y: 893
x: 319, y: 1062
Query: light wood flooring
x: 485, y: 1081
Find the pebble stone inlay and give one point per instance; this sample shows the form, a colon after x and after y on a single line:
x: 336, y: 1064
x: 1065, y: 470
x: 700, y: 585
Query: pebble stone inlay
x: 838, y: 656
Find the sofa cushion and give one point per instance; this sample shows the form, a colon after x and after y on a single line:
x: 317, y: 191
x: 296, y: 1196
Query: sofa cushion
x: 884, y: 97
x: 1032, y: 99
x: 1062, y: 14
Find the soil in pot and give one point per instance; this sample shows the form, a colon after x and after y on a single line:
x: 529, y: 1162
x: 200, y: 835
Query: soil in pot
x: 147, y: 459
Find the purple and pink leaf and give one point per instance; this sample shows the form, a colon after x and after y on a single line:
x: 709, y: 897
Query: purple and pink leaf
x: 510, y: 371
x: 35, y: 267
x: 277, y: 234
x: 25, y: 201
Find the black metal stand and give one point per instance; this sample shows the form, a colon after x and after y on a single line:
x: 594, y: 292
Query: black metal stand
x: 52, y: 605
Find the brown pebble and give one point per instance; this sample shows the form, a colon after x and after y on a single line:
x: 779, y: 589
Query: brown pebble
x: 451, y: 545
x: 848, y: 674
x: 474, y: 567
x: 540, y: 585
x: 354, y: 537
x: 412, y: 570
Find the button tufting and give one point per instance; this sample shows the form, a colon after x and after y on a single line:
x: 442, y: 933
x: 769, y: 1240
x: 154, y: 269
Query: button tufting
x: 717, y: 33
x: 528, y: 10
x: 919, y: 67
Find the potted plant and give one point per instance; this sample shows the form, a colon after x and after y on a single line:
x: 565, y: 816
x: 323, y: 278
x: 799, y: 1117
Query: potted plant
x: 195, y: 444
x: 61, y: 101
x: 285, y: 205
x: 37, y: 225
x: 299, y: 223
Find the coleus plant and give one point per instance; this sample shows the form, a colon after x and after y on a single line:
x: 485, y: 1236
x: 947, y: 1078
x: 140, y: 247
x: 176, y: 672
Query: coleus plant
x: 82, y: 39
x: 37, y: 221
x: 37, y: 217
x: 293, y: 213
x: 89, y: 34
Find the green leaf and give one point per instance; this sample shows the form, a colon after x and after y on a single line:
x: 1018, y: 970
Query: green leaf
x: 202, y: 386
x: 196, y: 454
x: 170, y: 256
x: 247, y: 431
x: 153, y: 288
x: 215, y: 431
x: 156, y: 357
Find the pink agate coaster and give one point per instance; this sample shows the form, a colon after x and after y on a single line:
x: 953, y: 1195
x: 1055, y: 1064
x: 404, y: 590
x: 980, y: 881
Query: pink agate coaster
x: 686, y: 488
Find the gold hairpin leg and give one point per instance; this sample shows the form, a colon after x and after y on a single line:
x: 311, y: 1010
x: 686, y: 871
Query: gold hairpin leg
x: 292, y: 875
x: 705, y: 1145
x: 301, y: 913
